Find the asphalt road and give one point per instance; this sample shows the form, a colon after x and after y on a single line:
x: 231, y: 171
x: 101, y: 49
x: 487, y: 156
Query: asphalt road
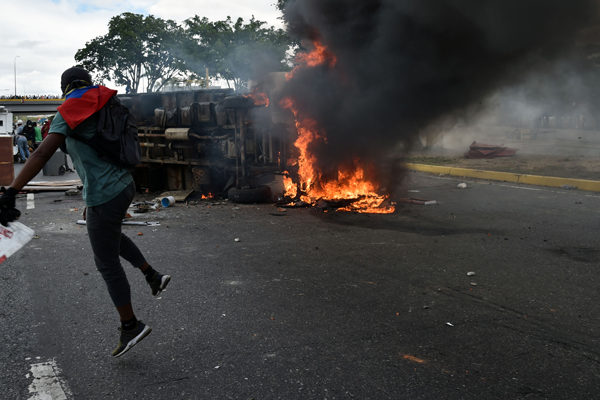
x: 313, y: 305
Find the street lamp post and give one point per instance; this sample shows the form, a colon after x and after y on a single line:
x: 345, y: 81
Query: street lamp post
x: 15, y: 63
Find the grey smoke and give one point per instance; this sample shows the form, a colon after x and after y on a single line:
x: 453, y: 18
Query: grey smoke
x: 405, y: 64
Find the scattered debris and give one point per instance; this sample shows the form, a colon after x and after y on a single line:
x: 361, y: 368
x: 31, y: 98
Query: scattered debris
x: 293, y: 204
x: 140, y: 234
x: 480, y: 150
x: 422, y: 202
x: 414, y: 359
x: 167, y: 201
x: 473, y: 283
x: 470, y: 273
x: 72, y: 192
x: 125, y: 222
x: 178, y: 195
x: 236, y: 239
x: 14, y: 237
x: 52, y: 186
x: 462, y: 185
x: 449, y: 324
x: 144, y: 207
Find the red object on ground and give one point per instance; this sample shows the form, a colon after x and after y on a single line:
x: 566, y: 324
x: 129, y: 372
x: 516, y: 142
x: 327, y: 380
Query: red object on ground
x: 480, y: 150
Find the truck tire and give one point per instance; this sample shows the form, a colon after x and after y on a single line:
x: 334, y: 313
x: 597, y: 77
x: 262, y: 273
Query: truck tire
x: 261, y: 194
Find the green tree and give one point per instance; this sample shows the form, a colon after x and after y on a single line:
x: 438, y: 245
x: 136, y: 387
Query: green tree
x: 234, y: 51
x: 134, y: 47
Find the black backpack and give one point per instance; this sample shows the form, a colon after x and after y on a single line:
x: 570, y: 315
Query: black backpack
x: 116, y: 138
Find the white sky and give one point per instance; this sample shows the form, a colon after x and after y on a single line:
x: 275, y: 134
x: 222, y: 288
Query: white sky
x: 46, y: 34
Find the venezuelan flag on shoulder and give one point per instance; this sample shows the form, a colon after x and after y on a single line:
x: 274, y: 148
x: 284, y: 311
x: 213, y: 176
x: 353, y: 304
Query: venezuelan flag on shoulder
x: 81, y: 103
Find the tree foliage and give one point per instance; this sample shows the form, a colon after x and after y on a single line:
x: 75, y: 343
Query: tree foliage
x: 235, y: 51
x: 162, y: 51
x: 134, y: 47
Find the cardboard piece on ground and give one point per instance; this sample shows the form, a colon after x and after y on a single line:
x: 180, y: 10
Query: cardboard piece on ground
x: 125, y: 222
x: 52, y: 186
x: 179, y: 195
x: 13, y: 238
x: 72, y: 182
x: 48, y: 188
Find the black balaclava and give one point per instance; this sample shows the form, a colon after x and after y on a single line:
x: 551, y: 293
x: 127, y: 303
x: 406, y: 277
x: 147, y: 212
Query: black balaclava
x: 74, y: 77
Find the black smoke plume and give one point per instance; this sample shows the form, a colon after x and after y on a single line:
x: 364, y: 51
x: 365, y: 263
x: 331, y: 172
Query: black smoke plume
x: 404, y: 64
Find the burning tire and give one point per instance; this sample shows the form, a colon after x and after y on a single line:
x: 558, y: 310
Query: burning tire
x: 261, y: 194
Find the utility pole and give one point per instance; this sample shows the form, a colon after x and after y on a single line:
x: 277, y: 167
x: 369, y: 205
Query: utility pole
x: 15, y: 64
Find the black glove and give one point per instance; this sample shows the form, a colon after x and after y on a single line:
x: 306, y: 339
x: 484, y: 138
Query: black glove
x: 8, y: 212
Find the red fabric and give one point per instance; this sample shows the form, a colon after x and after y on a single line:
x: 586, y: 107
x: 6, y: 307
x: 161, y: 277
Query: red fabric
x: 480, y: 150
x: 82, y: 103
x: 45, y: 129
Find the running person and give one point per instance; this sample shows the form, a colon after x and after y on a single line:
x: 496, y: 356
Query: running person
x: 107, y: 190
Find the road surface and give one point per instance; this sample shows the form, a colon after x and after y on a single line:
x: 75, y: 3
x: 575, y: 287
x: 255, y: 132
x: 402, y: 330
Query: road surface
x: 490, y: 294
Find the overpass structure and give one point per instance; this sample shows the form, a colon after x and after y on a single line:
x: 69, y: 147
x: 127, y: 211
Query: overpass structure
x: 28, y: 106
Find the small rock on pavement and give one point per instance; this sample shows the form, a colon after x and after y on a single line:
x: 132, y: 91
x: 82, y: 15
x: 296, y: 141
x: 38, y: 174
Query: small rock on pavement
x: 462, y: 185
x: 470, y: 273
x: 236, y: 239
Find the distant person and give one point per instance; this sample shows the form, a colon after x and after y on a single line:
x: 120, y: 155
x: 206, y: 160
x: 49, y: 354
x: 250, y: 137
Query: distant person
x: 107, y: 190
x: 22, y: 146
x: 29, y: 133
x: 19, y: 129
x: 46, y: 127
x: 38, y: 135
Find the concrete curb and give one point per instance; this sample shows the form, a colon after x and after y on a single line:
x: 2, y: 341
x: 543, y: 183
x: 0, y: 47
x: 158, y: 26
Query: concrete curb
x: 552, y: 181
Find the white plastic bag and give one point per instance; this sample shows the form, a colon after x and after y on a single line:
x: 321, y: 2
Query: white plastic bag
x: 12, y: 238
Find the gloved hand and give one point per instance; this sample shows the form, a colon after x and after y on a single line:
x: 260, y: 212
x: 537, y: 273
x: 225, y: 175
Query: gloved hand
x: 8, y: 212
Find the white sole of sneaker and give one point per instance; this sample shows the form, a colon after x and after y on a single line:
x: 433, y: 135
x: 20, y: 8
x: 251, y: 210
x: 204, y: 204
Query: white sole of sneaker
x: 163, y: 283
x: 145, y: 332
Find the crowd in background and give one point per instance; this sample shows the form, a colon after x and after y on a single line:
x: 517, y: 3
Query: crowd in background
x: 28, y: 136
x: 33, y: 97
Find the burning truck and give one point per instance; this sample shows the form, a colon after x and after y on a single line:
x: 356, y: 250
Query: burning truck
x: 216, y: 142
x: 206, y: 141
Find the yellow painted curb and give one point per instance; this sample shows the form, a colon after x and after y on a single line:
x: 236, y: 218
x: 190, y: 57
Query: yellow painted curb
x: 552, y: 181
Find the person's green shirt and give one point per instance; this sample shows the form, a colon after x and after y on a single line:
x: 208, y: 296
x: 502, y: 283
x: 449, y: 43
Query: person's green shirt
x: 102, y: 180
x: 38, y: 134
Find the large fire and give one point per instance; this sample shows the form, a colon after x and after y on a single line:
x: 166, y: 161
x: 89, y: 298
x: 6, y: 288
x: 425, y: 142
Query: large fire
x: 351, y: 190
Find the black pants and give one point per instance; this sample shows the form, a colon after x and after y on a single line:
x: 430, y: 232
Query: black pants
x: 108, y: 243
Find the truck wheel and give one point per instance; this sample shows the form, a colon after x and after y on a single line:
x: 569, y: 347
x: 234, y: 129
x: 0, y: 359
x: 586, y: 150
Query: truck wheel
x: 261, y: 194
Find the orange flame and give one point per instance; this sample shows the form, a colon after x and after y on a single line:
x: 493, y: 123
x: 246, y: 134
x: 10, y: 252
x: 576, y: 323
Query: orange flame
x: 291, y: 189
x: 209, y: 196
x: 259, y: 98
x: 319, y: 56
x: 350, y: 185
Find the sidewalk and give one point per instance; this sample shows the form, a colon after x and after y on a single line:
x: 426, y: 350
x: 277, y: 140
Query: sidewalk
x: 539, y: 180
x: 40, y: 177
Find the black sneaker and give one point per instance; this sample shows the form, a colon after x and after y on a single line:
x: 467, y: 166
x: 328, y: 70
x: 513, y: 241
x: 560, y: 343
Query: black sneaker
x: 131, y: 337
x: 158, y: 282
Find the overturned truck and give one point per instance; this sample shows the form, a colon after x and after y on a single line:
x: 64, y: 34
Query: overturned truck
x: 211, y: 141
